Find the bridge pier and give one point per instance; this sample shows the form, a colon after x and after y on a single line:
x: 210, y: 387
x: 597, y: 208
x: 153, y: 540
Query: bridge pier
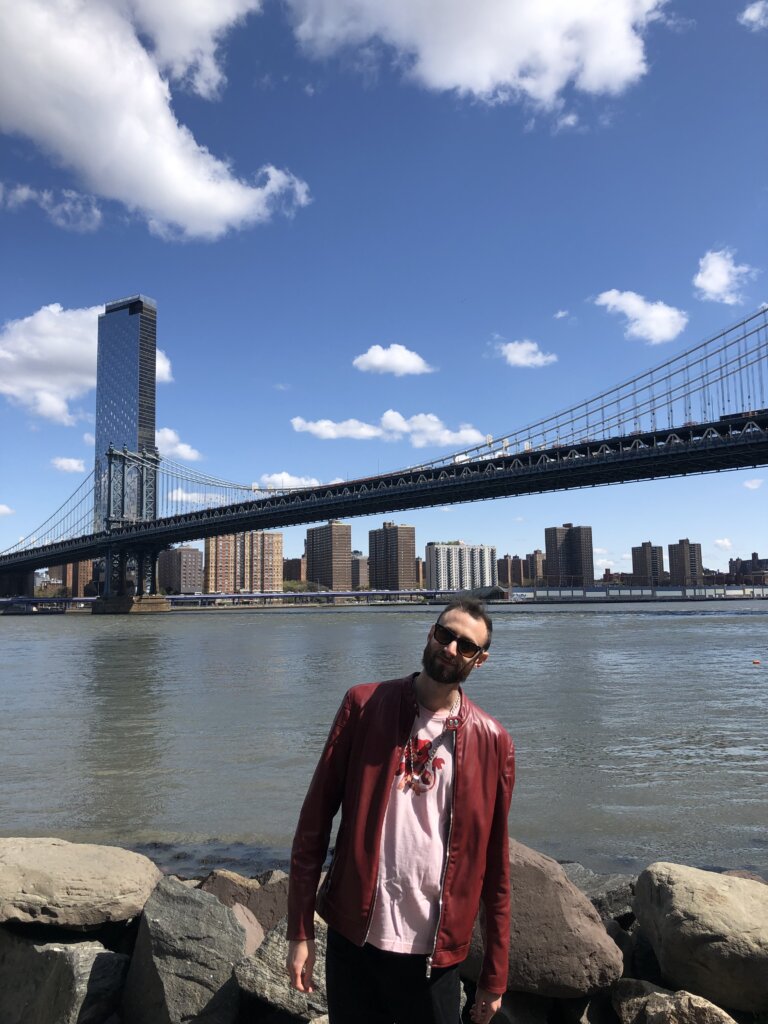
x: 123, y: 598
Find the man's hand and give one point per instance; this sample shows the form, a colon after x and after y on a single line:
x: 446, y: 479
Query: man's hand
x: 300, y: 963
x: 484, y: 1006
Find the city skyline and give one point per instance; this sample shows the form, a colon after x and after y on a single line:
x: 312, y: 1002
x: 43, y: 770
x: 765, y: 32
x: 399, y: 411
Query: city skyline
x: 367, y: 253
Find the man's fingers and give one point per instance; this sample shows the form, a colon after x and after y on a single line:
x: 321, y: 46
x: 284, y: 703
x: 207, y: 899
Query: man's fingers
x: 299, y: 964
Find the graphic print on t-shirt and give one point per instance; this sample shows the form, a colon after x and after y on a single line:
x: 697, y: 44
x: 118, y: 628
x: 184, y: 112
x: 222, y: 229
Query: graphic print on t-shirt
x: 419, y: 755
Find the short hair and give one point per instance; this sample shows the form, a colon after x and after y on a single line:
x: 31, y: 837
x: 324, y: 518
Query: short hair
x: 474, y: 608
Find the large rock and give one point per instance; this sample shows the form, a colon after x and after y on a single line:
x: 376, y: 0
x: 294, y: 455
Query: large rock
x: 639, y: 1002
x: 58, y: 982
x: 611, y: 895
x: 709, y: 933
x: 266, y: 896
x: 181, y: 969
x: 558, y: 945
x: 263, y: 975
x: 74, y: 885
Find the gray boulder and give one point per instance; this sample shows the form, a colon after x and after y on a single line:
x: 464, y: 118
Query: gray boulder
x: 266, y: 897
x: 639, y: 1002
x: 181, y: 969
x: 611, y: 895
x: 521, y: 1008
x: 709, y: 933
x: 263, y: 975
x: 74, y: 885
x: 58, y: 982
x: 558, y: 945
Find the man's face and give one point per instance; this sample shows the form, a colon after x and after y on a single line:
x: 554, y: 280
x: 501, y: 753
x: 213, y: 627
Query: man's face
x: 443, y: 662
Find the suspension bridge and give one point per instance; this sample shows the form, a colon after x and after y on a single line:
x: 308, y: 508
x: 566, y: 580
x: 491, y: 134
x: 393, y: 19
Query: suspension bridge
x: 704, y: 410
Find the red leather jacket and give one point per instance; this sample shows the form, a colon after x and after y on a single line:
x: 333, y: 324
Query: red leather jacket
x: 355, y: 773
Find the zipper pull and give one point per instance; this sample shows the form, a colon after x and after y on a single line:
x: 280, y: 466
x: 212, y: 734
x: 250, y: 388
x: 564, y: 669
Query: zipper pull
x: 429, y: 966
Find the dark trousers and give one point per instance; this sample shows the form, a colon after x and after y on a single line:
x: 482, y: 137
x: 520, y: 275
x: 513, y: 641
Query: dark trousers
x: 367, y: 985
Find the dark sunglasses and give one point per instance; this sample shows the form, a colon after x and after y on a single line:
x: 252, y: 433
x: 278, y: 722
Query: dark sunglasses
x: 445, y: 636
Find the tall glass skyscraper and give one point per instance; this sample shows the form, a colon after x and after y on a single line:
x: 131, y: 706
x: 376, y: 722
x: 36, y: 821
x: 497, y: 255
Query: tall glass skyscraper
x: 125, y: 398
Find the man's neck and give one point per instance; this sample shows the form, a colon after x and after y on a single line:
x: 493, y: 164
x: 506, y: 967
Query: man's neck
x: 434, y: 696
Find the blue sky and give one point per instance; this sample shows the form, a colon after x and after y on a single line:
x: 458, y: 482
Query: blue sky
x: 458, y: 216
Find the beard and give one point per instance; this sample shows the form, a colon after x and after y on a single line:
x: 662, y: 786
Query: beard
x: 448, y: 673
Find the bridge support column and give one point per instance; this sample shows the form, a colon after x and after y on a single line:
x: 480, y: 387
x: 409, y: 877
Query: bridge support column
x: 117, y: 600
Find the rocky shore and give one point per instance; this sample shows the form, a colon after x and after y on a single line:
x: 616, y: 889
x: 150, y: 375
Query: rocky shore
x: 99, y: 935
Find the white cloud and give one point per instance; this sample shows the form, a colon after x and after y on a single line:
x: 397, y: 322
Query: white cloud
x: 79, y: 83
x: 89, y: 439
x: 724, y: 544
x: 525, y: 353
x: 422, y: 430
x: 163, y: 371
x: 600, y: 551
x: 170, y: 444
x: 561, y: 314
x: 284, y: 480
x: 396, y: 359
x: 68, y: 465
x: 491, y: 49
x: 604, y: 563
x: 6, y: 510
x: 719, y: 277
x: 48, y: 360
x: 70, y: 210
x: 755, y: 16
x: 179, y: 496
x: 755, y: 484
x: 566, y: 121
x: 654, y: 322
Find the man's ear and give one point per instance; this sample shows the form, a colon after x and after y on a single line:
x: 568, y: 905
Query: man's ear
x: 481, y: 658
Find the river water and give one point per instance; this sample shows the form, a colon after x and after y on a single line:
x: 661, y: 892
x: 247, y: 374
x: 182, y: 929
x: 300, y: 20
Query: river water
x: 641, y: 730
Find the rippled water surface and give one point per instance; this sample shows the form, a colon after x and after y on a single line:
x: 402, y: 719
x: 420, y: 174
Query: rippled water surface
x: 641, y: 731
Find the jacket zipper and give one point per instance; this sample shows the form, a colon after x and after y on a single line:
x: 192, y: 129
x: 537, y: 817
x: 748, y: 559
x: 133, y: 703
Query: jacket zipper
x: 445, y: 858
x: 378, y: 863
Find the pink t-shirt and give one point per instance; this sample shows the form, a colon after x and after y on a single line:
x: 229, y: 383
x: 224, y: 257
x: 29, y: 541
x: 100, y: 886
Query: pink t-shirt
x: 406, y: 910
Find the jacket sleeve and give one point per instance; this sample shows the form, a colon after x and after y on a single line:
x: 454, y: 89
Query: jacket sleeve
x: 310, y: 843
x: 496, y: 890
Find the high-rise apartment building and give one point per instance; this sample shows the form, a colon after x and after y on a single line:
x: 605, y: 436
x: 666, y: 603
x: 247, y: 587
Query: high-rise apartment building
x: 74, y: 576
x: 511, y: 571
x: 535, y: 568
x: 295, y: 569
x: 685, y: 566
x: 249, y: 562
x: 180, y: 571
x: 459, y: 566
x: 570, y: 562
x: 648, y: 564
x: 125, y: 399
x: 329, y: 555
x: 360, y: 575
x: 392, y: 557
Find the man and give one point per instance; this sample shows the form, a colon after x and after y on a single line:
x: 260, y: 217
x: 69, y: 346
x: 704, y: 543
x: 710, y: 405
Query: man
x: 424, y: 780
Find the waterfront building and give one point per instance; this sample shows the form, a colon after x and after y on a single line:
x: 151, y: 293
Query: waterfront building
x: 180, y: 571
x: 420, y: 573
x: 648, y: 564
x: 125, y: 399
x: 360, y: 576
x: 295, y: 569
x: 511, y: 571
x: 749, y: 570
x: 329, y: 555
x: 535, y: 566
x: 250, y: 562
x: 685, y: 565
x: 392, y: 557
x: 73, y: 577
x: 454, y: 565
x: 570, y: 560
